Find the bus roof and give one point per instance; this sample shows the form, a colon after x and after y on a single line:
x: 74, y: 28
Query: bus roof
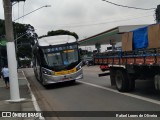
x: 56, y: 40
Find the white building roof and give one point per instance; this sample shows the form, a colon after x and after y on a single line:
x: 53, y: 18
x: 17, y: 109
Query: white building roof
x: 106, y: 36
x: 56, y: 40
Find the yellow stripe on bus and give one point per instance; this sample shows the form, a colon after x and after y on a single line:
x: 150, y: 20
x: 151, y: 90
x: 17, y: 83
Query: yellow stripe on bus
x: 66, y: 51
x: 64, y: 72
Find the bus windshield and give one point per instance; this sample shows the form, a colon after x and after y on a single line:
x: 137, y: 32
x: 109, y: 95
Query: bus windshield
x: 61, y: 58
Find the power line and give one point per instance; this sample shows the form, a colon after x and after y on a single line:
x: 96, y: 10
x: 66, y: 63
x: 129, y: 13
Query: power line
x: 18, y: 11
x: 102, y: 23
x: 23, y: 11
x: 111, y: 19
x: 127, y: 6
x: 14, y: 3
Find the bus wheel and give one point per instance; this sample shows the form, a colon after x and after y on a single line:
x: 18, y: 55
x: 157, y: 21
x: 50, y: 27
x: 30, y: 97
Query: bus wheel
x: 41, y: 79
x: 44, y: 85
x: 121, y: 80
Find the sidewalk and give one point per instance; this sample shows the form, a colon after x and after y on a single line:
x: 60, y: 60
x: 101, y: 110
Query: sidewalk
x: 26, y: 105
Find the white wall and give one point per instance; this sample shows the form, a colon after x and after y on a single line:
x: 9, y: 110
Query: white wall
x: 103, y: 47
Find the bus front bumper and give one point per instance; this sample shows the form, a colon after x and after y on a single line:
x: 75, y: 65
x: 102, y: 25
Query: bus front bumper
x: 51, y: 79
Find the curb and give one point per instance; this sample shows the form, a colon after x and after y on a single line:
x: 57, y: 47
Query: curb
x: 36, y: 106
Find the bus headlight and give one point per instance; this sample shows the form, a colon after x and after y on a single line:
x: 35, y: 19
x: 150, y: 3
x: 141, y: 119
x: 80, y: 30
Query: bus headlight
x: 47, y: 72
x: 79, y: 67
x: 53, y: 73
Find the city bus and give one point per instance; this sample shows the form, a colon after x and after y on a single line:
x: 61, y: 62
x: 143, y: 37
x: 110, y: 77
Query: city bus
x: 57, y: 59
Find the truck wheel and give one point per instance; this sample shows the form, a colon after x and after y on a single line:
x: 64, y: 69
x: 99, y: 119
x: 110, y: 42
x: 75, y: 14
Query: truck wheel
x: 112, y: 77
x: 121, y: 79
x: 157, y: 82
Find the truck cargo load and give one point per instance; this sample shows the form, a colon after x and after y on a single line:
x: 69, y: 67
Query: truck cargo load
x: 141, y: 38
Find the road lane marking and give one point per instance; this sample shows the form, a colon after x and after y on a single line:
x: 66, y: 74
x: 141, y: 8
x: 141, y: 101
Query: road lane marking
x: 127, y: 94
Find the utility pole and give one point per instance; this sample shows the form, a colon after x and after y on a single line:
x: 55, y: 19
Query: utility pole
x: 12, y: 64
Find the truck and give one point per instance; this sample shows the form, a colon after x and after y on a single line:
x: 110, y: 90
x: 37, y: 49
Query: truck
x: 139, y: 58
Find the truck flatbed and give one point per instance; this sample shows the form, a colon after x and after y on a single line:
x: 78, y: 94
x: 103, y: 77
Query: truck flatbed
x: 126, y: 67
x: 136, y: 57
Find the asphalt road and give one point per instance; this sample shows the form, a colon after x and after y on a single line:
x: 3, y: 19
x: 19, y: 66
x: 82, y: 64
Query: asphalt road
x: 94, y: 94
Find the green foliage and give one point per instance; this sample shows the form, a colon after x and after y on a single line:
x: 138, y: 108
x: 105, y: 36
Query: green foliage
x: 24, y: 40
x: 2, y: 28
x: 24, y: 63
x: 157, y: 13
x: 24, y: 51
x: 60, y: 32
x: 24, y: 43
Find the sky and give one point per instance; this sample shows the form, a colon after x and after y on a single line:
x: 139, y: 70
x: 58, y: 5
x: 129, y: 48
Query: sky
x: 85, y: 17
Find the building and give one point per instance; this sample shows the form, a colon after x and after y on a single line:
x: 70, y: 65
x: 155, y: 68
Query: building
x: 110, y: 37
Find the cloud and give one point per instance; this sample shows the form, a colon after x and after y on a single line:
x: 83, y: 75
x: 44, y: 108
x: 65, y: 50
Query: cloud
x: 85, y: 17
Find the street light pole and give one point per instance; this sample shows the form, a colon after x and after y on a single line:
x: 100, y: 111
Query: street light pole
x: 33, y: 11
x: 26, y: 15
x: 12, y: 64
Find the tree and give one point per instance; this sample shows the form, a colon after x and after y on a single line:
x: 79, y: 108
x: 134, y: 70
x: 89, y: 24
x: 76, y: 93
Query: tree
x: 2, y: 28
x: 60, y: 32
x: 157, y: 13
x: 25, y: 35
